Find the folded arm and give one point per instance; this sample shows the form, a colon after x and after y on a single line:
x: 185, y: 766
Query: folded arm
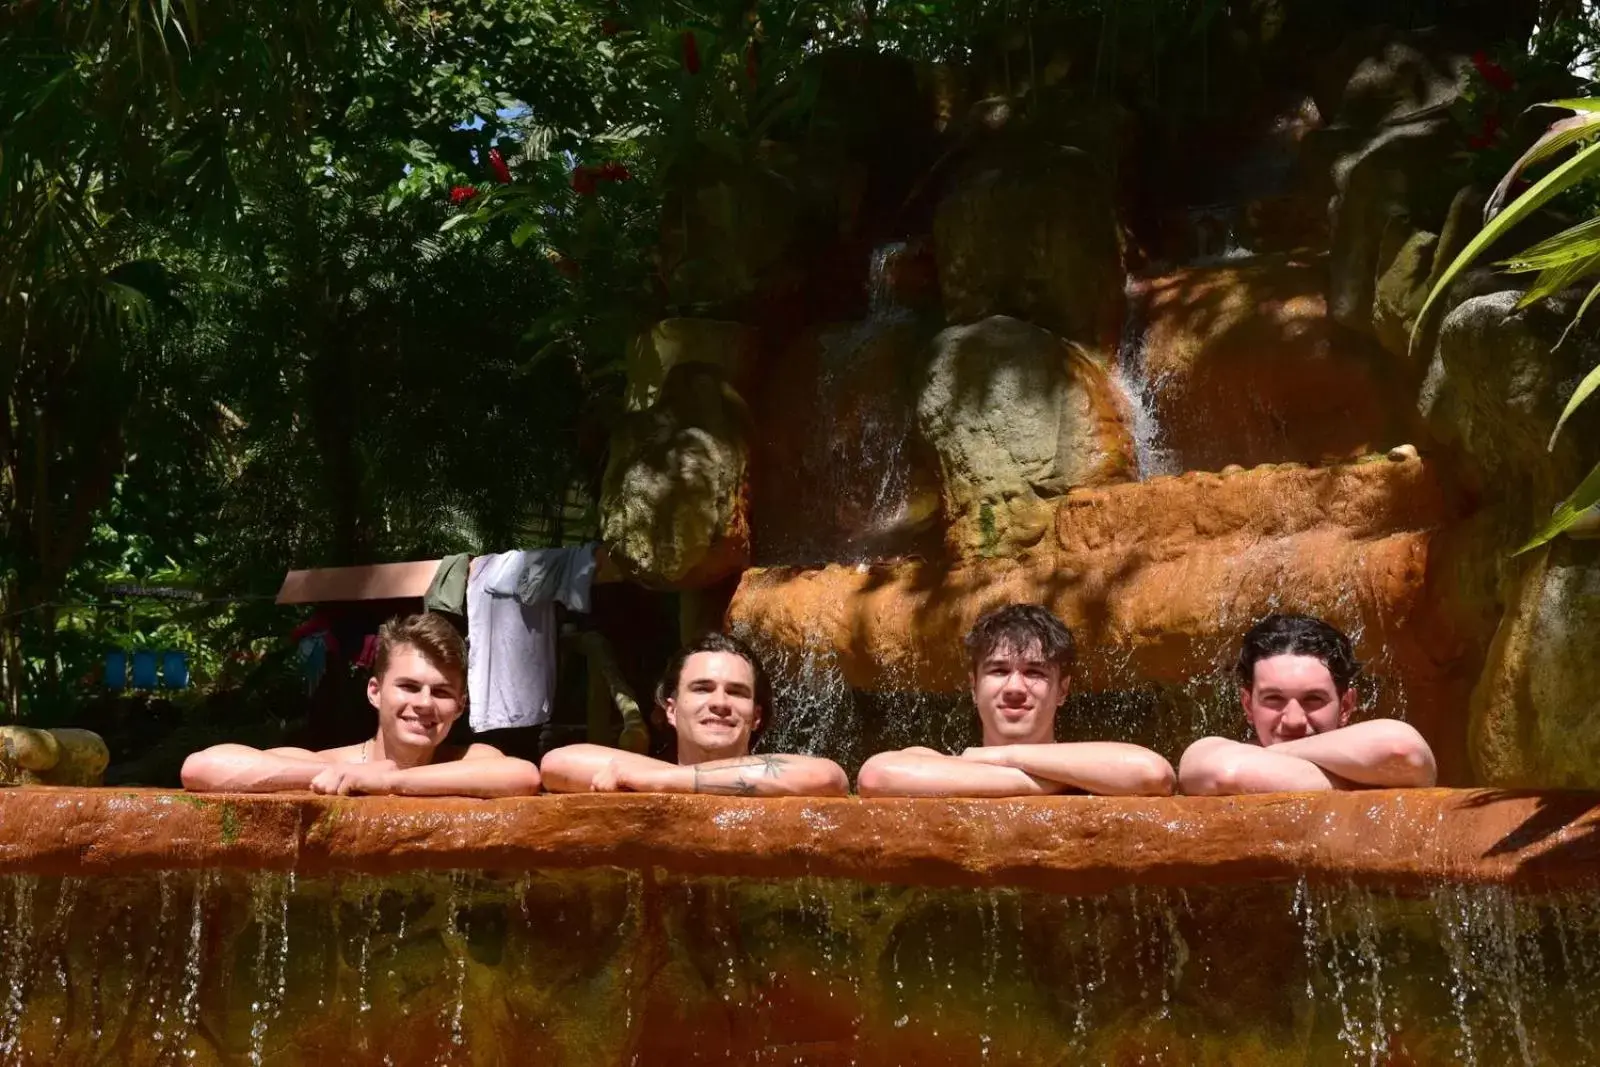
x: 1383, y: 753
x: 242, y: 769
x: 1105, y: 768
x: 925, y: 773
x: 594, y: 768
x: 482, y: 771
x: 1216, y: 766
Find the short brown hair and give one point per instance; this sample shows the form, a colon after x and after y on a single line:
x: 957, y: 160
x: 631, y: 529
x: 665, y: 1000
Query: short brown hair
x: 428, y: 633
x: 1020, y: 627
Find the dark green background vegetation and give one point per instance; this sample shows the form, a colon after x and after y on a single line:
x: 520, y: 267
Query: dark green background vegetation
x: 265, y: 302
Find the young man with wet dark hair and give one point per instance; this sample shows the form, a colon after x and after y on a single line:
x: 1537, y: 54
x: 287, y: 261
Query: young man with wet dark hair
x: 1297, y: 685
x: 715, y: 696
x: 1020, y: 659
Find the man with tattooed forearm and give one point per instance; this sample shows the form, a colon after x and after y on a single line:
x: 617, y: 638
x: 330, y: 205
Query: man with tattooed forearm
x: 715, y: 696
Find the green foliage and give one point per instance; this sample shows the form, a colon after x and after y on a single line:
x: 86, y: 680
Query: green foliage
x: 267, y: 300
x: 1558, y: 262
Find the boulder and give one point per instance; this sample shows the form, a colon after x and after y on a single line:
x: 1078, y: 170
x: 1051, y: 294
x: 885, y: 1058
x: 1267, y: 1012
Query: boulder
x: 674, y: 499
x: 1495, y: 388
x: 51, y: 757
x: 1017, y: 417
x: 1409, y: 262
x: 1392, y: 137
x: 1032, y: 233
x: 728, y: 346
x: 1533, y: 720
x: 1243, y: 365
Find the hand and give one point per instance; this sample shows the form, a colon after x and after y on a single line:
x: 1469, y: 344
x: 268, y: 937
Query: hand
x: 998, y: 755
x: 608, y: 779
x: 345, y: 779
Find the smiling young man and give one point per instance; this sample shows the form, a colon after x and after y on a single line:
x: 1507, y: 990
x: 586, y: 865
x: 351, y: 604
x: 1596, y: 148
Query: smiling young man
x: 715, y: 695
x: 418, y: 687
x: 1296, y: 676
x: 1021, y: 662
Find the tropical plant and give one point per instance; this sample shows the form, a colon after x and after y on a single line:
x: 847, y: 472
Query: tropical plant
x: 1558, y: 262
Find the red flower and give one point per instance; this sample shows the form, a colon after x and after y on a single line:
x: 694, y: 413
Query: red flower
x: 1486, y: 134
x: 691, y: 53
x: 462, y: 193
x: 614, y: 172
x: 751, y: 66
x: 1493, y: 73
x: 584, y: 180
x: 610, y: 27
x: 497, y: 163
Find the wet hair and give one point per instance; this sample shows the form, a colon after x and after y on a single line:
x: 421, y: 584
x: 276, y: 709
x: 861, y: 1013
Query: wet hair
x: 430, y: 634
x: 1021, y: 627
x: 715, y: 641
x: 1298, y: 635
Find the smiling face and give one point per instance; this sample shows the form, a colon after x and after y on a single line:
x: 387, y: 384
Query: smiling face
x: 1017, y: 694
x: 714, y: 709
x: 416, y: 702
x: 1294, y: 696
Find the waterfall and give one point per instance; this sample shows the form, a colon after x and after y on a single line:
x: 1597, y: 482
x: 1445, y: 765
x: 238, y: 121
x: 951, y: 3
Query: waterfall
x: 566, y: 967
x: 1139, y: 392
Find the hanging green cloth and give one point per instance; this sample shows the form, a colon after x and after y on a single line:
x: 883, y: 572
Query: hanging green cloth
x: 448, y: 590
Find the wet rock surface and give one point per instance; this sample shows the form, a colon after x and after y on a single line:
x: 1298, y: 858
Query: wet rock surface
x: 1147, y: 574
x: 1018, y: 417
x: 1031, y: 233
x: 674, y: 502
x: 1246, y: 366
x: 1401, y: 838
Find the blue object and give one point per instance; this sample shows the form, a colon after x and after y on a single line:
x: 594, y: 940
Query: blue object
x: 144, y: 670
x: 175, y: 670
x: 116, y: 669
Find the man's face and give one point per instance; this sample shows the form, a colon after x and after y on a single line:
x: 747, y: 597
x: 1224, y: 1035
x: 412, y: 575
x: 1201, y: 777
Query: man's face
x: 1294, y: 696
x: 715, y: 709
x: 1017, y: 693
x: 416, y: 702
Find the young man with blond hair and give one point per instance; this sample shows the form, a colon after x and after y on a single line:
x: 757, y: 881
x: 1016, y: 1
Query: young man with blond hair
x: 1020, y: 659
x: 418, y: 688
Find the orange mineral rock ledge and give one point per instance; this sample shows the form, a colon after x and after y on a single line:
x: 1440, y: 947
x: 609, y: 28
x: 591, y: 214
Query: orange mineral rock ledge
x: 1403, y: 839
x: 1156, y: 579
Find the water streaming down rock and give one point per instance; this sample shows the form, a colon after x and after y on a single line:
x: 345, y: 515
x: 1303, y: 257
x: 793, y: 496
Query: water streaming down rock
x: 617, y: 968
x: 1133, y: 381
x: 844, y: 477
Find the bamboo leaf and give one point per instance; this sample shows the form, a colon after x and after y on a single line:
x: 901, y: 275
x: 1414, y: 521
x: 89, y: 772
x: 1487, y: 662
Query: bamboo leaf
x: 1586, y: 496
x: 1577, y: 318
x: 1559, y: 276
x: 1590, y: 383
x: 1574, y: 170
x: 1577, y: 242
x: 1561, y: 134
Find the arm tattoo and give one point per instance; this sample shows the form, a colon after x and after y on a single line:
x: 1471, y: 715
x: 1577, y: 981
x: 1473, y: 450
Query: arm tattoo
x: 745, y: 772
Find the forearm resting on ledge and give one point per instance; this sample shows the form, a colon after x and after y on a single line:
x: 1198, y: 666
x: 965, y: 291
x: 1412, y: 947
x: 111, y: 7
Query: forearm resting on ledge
x: 595, y: 768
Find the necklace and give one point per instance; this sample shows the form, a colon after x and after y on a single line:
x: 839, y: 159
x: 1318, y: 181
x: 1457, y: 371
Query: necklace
x: 366, y: 748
